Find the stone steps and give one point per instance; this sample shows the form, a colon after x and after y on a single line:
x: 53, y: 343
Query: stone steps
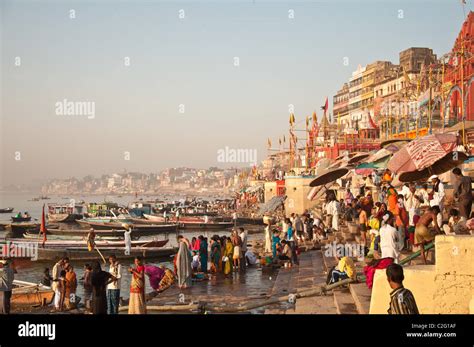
x: 352, y: 300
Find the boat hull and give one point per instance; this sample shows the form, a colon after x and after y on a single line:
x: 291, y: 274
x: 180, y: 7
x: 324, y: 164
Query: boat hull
x: 140, y: 228
x: 30, y: 294
x: 6, y: 210
x: 45, y: 254
x: 63, y: 217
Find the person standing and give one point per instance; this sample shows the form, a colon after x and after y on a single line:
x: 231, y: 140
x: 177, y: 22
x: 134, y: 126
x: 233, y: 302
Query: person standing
x: 215, y: 254
x: 437, y: 193
x: 227, y: 258
x: 389, y: 238
x: 71, y: 286
x: 99, y: 281
x: 402, y: 300
x: 268, y: 237
x: 234, y: 218
x: 113, y: 288
x: 463, y: 192
x: 87, y: 286
x: 183, y: 263
x: 243, y: 237
x: 57, y: 268
x: 127, y: 234
x: 137, y: 304
x: 203, y: 252
x: 299, y: 227
x: 236, y: 242
x: 7, y: 275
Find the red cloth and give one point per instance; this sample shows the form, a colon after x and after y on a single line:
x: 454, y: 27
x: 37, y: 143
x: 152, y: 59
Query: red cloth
x: 369, y: 271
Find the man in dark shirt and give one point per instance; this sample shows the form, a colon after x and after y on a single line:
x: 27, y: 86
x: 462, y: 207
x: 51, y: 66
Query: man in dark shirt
x: 463, y: 192
x: 402, y: 300
x: 7, y: 275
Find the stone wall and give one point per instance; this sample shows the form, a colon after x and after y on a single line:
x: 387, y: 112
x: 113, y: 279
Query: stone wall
x: 444, y: 288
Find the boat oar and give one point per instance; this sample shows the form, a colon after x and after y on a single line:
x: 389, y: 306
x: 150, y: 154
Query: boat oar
x: 105, y: 262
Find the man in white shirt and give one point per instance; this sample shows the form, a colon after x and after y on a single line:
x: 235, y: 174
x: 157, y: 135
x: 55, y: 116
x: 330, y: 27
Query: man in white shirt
x: 113, y: 288
x: 438, y: 193
x: 389, y: 242
x: 413, y: 200
x: 127, y: 234
x: 57, y: 268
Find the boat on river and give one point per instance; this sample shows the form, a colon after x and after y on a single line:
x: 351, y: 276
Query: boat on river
x: 101, y: 244
x: 6, y: 210
x: 31, y: 294
x: 64, y: 213
x: 140, y: 228
x: 82, y: 253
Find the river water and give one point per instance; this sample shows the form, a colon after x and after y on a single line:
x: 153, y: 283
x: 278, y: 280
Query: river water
x: 251, y: 282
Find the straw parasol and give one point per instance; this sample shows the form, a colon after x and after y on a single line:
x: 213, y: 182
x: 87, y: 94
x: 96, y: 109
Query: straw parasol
x: 329, y: 175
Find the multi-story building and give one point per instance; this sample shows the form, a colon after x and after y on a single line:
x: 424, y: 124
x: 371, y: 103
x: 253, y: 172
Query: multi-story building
x: 341, y: 107
x: 355, y: 97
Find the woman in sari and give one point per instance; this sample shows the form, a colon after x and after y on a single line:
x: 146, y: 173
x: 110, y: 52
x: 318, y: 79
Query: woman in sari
x: 183, y: 263
x: 155, y: 275
x: 392, y: 198
x: 71, y: 286
x: 137, y: 304
x: 215, y: 254
x: 228, y: 254
x: 203, y: 253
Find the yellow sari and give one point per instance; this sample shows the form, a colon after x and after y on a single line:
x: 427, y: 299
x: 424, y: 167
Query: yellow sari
x: 228, y: 252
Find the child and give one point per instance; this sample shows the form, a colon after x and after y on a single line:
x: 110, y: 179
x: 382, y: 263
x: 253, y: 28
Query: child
x: 195, y: 264
x: 46, y: 280
x: 402, y: 300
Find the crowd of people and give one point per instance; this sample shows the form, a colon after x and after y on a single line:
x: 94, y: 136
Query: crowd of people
x: 201, y: 257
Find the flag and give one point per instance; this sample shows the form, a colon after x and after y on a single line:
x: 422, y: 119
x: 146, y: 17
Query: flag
x: 43, y: 229
x: 292, y: 119
x: 325, y: 107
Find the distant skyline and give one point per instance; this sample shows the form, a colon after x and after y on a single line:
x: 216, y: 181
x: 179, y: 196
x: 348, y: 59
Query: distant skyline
x: 127, y: 69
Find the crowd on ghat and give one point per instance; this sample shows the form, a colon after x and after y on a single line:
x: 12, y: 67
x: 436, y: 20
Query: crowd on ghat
x: 390, y: 220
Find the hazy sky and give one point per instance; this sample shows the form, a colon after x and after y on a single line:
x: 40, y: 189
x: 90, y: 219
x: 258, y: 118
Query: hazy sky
x: 186, y: 61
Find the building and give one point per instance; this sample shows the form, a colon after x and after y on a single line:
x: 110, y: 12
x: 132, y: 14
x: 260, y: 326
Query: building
x: 341, y: 107
x: 458, y: 99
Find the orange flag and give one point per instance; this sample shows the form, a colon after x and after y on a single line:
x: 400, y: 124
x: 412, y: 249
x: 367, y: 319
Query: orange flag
x: 43, y: 229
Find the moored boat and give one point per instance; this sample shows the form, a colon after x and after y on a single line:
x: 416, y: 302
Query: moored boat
x: 6, y: 210
x: 64, y: 213
x: 21, y: 219
x: 82, y: 254
x: 99, y: 243
x: 29, y: 294
x: 141, y: 228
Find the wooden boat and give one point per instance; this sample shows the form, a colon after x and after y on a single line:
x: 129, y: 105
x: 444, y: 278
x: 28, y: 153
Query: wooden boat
x: 83, y: 233
x: 35, y: 236
x: 101, y: 244
x: 64, y: 213
x: 21, y: 219
x: 82, y: 254
x: 6, y: 210
x: 210, y: 225
x: 160, y: 219
x: 141, y: 228
x: 29, y: 294
x: 18, y: 229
